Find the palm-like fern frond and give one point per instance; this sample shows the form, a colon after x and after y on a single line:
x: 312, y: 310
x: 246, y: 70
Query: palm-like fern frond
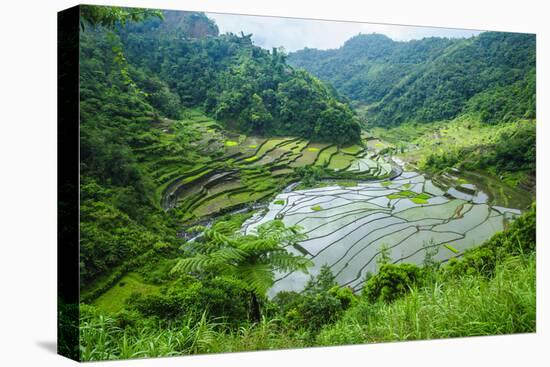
x: 230, y: 255
x: 257, y: 277
x: 285, y: 261
x: 197, y: 228
x: 258, y: 244
x: 251, y: 258
x: 277, y: 231
x: 226, y: 228
x: 196, y: 263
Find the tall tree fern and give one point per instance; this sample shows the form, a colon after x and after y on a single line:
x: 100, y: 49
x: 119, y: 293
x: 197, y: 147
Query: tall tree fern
x: 252, y: 258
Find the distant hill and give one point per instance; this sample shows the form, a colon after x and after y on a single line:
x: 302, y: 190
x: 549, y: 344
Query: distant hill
x: 492, y: 75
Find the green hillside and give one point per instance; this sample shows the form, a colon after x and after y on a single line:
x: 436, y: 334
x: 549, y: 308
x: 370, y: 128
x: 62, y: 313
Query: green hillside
x: 431, y: 79
x: 250, y: 89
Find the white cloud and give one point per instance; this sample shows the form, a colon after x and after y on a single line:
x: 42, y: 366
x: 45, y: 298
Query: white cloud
x: 295, y: 34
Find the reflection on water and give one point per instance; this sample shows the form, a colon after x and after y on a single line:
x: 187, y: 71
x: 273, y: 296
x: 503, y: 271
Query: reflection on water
x: 347, y: 226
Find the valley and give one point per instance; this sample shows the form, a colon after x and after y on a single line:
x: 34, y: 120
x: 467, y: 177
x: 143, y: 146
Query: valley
x: 379, y: 205
x: 235, y: 198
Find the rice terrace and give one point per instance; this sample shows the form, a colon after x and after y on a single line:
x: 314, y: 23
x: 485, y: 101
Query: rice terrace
x: 236, y: 197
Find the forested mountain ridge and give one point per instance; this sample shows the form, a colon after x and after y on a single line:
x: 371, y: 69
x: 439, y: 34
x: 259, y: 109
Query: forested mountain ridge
x: 492, y: 75
x: 366, y: 67
x: 250, y: 89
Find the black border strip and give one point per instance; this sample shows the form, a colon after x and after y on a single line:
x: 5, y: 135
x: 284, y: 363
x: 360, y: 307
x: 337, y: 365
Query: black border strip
x: 68, y: 180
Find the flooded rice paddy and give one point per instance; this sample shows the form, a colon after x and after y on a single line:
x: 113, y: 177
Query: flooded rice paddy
x: 347, y: 227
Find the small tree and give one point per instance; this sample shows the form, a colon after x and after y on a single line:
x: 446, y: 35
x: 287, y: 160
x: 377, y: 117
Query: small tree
x: 252, y: 258
x: 384, y: 255
x: 324, y: 281
x: 322, y: 302
x: 430, y: 252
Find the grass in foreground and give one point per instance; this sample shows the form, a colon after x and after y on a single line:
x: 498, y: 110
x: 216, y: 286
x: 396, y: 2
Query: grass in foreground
x: 467, y: 306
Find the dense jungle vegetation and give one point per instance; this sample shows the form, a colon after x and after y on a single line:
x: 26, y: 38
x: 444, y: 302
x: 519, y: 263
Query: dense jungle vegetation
x: 248, y: 88
x: 166, y: 101
x: 433, y: 79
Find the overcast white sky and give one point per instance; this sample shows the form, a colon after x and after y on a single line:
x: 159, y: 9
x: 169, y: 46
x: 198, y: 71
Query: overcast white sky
x: 295, y: 34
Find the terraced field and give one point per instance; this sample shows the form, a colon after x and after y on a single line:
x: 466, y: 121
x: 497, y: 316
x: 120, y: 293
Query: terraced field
x: 237, y: 170
x: 348, y: 226
x: 249, y: 169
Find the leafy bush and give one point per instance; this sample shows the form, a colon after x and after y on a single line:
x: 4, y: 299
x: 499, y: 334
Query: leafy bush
x: 322, y: 302
x: 391, y: 282
x: 220, y: 297
x: 469, y: 305
x: 310, y: 175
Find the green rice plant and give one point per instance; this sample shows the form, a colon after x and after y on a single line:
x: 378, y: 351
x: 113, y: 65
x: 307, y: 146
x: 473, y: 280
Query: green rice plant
x: 325, y: 155
x: 251, y: 159
x: 424, y: 196
x: 316, y: 208
x: 418, y: 200
x: 347, y: 183
x: 451, y: 248
x: 407, y: 193
x: 352, y: 149
x: 402, y: 195
x: 340, y: 161
x: 231, y: 143
x: 279, y: 202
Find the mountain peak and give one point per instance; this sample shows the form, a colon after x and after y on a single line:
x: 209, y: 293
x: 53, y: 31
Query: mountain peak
x: 192, y: 24
x: 368, y: 40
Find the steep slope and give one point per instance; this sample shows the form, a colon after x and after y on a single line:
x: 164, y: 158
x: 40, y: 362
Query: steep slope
x: 250, y: 89
x: 431, y: 79
x: 366, y: 67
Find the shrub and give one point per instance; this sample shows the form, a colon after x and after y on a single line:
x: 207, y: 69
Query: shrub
x: 220, y: 297
x: 344, y: 295
x: 480, y: 261
x: 311, y: 175
x: 391, y: 282
x: 322, y: 302
x: 316, y: 310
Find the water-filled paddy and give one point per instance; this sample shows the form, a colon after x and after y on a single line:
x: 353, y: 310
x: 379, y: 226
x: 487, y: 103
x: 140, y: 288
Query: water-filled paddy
x: 347, y: 227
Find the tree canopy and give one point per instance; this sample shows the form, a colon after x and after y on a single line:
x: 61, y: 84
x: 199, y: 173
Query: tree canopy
x: 250, y: 89
x: 492, y: 75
